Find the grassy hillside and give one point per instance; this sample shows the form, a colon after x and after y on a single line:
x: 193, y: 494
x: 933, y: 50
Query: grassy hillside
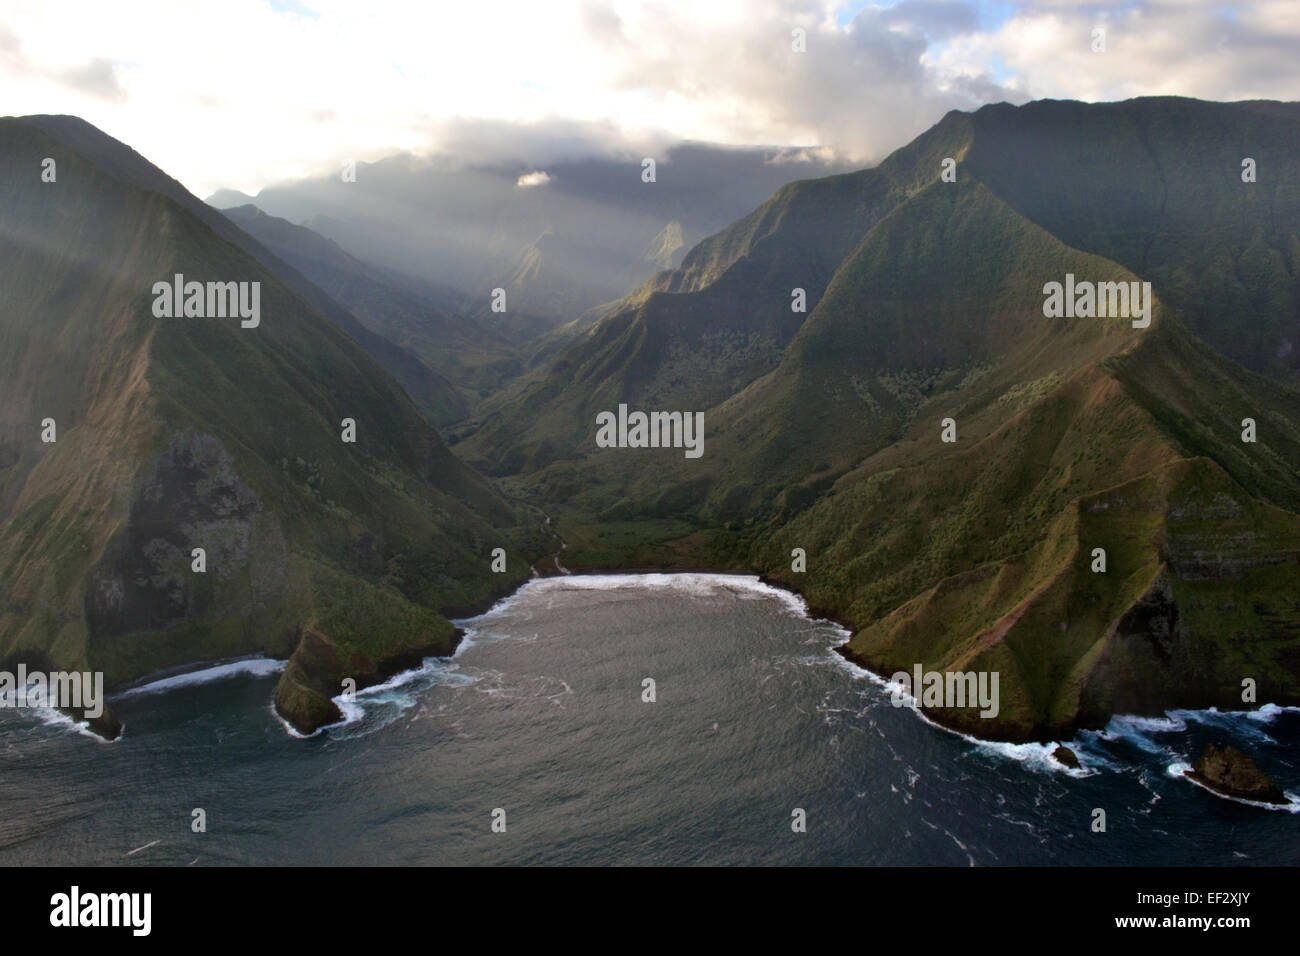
x: 430, y: 391
x: 1155, y: 185
x: 181, y: 433
x: 696, y: 335
x: 1072, y: 433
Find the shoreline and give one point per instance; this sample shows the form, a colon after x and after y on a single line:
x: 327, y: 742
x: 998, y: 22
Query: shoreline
x: 822, y: 615
x: 457, y: 616
x: 1017, y: 750
x: 815, y: 613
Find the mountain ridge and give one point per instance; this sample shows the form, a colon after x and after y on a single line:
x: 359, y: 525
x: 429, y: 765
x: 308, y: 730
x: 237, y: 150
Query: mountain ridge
x: 831, y: 444
x: 122, y: 162
x: 922, y: 453
x: 164, y: 444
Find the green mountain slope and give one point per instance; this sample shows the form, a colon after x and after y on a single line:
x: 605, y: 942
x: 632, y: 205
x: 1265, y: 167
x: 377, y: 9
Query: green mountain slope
x: 926, y: 303
x: 694, y: 336
x: 183, y: 433
x: 1156, y: 185
x: 432, y: 392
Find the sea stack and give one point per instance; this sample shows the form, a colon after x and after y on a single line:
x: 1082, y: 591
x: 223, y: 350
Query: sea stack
x: 1233, y: 774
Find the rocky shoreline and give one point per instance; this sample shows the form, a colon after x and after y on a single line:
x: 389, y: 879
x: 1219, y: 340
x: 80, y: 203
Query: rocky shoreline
x: 989, y: 730
x: 304, y: 697
x: 305, y: 694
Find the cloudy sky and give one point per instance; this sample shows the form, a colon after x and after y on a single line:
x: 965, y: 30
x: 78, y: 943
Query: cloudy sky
x: 242, y: 93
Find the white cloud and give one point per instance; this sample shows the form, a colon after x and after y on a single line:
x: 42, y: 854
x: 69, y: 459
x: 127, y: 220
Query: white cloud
x: 538, y: 178
x: 249, y: 92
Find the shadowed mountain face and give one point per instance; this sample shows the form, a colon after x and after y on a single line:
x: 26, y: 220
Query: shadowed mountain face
x: 1106, y: 514
x: 176, y: 434
x: 474, y: 354
x: 1156, y: 186
x: 584, y: 234
x: 431, y: 391
x: 1098, y: 533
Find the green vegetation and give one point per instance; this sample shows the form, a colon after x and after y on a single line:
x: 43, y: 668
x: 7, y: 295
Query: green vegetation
x: 925, y: 303
x: 822, y: 429
x: 176, y: 434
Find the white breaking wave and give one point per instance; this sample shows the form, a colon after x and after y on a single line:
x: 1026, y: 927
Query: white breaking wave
x: 1037, y: 756
x: 1125, y: 725
x: 54, y: 718
x: 394, y: 696
x: 1268, y: 713
x: 1247, y: 723
x: 692, y: 583
x: 20, y: 705
x: 251, y: 666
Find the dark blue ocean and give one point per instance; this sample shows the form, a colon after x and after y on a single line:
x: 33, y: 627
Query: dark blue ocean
x: 540, y: 715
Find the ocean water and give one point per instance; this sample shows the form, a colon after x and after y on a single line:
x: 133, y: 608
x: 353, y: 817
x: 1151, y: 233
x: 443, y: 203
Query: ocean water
x: 540, y: 715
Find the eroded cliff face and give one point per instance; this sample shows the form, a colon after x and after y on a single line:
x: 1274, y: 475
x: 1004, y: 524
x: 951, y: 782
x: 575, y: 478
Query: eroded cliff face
x: 149, y: 577
x: 197, y: 571
x: 177, y: 434
x: 151, y: 602
x: 1218, y: 626
x: 1195, y: 605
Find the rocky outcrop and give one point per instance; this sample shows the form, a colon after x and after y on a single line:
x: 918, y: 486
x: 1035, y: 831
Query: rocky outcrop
x: 319, y: 667
x: 1233, y: 774
x: 1064, y: 755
